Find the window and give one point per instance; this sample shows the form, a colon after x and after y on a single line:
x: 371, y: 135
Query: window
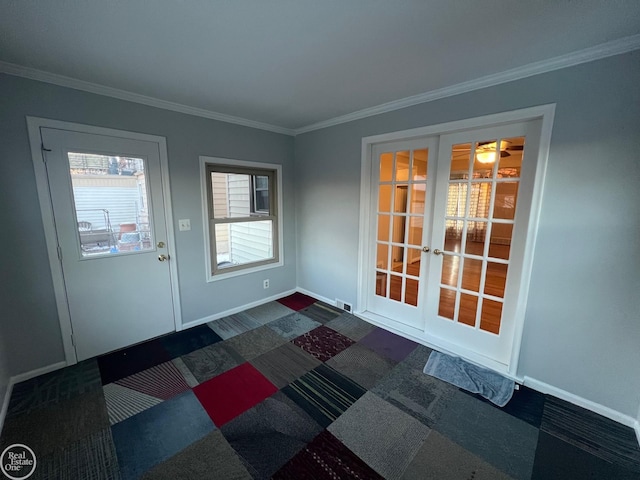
x: 242, y: 208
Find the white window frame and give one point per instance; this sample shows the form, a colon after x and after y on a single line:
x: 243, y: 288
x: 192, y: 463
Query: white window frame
x: 278, y: 249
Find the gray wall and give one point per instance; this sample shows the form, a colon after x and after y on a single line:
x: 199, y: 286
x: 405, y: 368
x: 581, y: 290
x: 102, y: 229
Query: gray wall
x: 29, y: 315
x: 582, y: 330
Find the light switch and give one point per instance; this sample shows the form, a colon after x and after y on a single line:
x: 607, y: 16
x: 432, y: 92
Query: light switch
x: 184, y: 224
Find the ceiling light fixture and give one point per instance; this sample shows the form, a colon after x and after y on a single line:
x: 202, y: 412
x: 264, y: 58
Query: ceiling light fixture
x: 487, y: 153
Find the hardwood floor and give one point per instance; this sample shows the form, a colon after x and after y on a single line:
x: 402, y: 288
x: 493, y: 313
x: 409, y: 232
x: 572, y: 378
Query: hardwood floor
x: 494, y: 285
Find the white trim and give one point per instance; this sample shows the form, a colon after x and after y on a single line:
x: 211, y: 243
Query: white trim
x: 636, y: 427
x: 34, y: 124
x: 63, y: 81
x: 204, y: 160
x: 546, y: 114
x: 580, y: 401
x: 21, y: 378
x: 233, y: 311
x: 316, y: 296
x: 608, y: 49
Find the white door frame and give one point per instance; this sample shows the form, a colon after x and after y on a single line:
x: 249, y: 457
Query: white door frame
x: 34, y: 124
x: 545, y: 113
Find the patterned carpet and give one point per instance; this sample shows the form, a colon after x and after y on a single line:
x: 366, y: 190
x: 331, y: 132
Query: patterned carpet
x: 297, y: 389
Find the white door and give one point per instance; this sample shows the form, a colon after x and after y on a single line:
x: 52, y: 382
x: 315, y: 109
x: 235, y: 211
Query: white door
x: 109, y: 217
x: 402, y: 194
x: 449, y: 230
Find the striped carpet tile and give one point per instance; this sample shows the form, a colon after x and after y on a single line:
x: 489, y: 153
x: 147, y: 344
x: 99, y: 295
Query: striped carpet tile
x: 162, y: 381
x: 123, y: 403
x: 324, y: 394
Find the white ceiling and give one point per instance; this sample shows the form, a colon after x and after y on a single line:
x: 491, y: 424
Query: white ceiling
x: 294, y: 63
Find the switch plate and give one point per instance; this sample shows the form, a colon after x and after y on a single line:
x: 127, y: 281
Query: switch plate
x: 184, y: 224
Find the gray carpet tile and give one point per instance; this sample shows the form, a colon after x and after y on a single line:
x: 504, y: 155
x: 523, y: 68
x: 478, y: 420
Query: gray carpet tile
x: 269, y: 434
x: 285, y: 364
x: 252, y: 344
x: 441, y: 459
x: 211, y: 457
x: 52, y: 388
x: 47, y: 430
x: 321, y: 312
x: 233, y: 325
x: 414, y: 392
x: 90, y: 458
x: 559, y: 460
x: 594, y: 433
x: 211, y: 361
x: 351, y: 326
x: 123, y: 402
x: 386, y: 438
x: 324, y: 393
x: 362, y: 365
x: 293, y: 325
x: 504, y: 441
x: 185, y: 372
x: 268, y: 312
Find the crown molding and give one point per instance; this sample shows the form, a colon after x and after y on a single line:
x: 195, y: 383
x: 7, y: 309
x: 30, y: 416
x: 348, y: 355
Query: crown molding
x: 63, y: 81
x: 608, y: 49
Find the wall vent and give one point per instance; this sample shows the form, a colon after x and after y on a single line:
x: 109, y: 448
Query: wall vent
x: 343, y: 305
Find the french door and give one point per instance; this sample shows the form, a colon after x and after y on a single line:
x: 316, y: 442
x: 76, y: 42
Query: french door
x: 449, y: 218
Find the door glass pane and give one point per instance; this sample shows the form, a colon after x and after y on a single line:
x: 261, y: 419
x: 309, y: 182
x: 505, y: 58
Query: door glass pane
x: 111, y: 203
x: 479, y: 200
x: 420, y: 159
x: 447, y: 303
x: 468, y: 309
x: 418, y: 192
x: 414, y: 256
x: 397, y: 259
x: 457, y: 200
x: 411, y: 292
x: 471, y: 272
x: 491, y: 315
x: 415, y: 230
x: 384, y: 198
x: 383, y: 227
x: 486, y: 155
x: 453, y: 236
x: 495, y: 279
x: 402, y: 166
x: 399, y: 224
x: 381, y: 284
x: 400, y: 201
x: 382, y: 257
x: 505, y: 202
x: 500, y: 245
x: 395, y: 288
x: 460, y: 155
x: 386, y: 167
x: 450, y: 268
x: 476, y: 232
x: 511, y: 159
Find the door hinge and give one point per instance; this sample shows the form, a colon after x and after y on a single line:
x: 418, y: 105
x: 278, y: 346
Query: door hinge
x: 59, y: 252
x: 44, y: 157
x: 73, y: 340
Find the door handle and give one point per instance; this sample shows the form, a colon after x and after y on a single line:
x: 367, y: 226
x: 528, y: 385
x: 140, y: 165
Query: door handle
x: 425, y: 249
x: 437, y: 251
x: 163, y: 258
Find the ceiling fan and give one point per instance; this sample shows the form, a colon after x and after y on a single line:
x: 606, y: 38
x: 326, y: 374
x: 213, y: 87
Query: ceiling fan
x: 486, y: 152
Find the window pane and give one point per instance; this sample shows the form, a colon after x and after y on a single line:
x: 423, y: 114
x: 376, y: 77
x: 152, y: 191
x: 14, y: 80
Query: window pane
x: 243, y: 242
x: 110, y: 199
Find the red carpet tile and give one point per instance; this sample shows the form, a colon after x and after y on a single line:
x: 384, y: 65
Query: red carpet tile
x: 228, y: 395
x: 297, y: 301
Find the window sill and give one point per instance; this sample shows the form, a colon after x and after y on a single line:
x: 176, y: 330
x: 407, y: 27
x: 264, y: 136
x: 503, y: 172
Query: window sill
x: 244, y: 271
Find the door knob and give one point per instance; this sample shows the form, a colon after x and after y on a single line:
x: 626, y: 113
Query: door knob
x: 437, y: 251
x: 425, y: 249
x: 163, y: 258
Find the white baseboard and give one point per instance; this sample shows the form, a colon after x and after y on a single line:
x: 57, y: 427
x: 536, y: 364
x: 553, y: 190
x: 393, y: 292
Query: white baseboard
x: 316, y: 296
x: 232, y: 311
x: 582, y: 402
x: 21, y: 377
x: 637, y: 429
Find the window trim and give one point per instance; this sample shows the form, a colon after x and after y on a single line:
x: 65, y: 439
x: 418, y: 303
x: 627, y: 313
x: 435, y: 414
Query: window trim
x: 211, y: 271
